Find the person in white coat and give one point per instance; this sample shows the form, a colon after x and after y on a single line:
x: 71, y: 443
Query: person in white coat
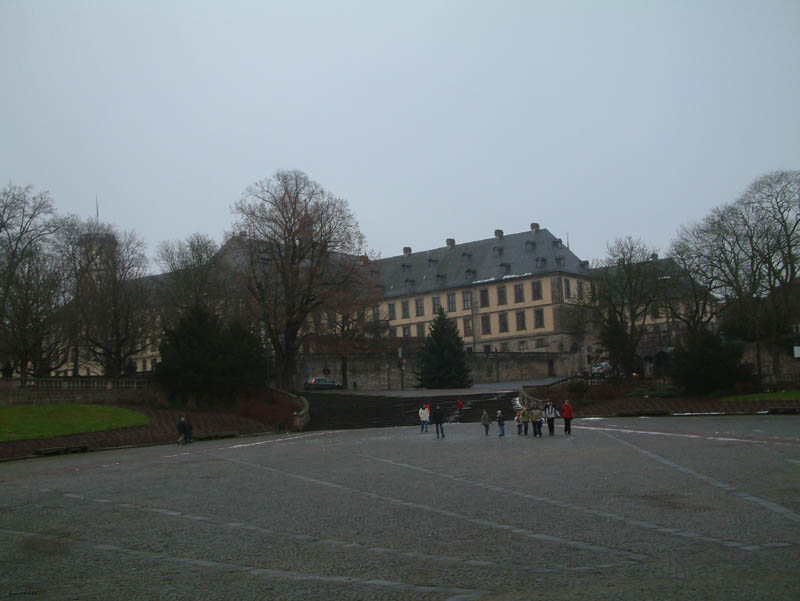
x: 424, y: 419
x: 550, y: 414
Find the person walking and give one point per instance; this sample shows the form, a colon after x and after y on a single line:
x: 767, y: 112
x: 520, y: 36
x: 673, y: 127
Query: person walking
x: 501, y: 423
x: 526, y: 418
x: 550, y: 414
x: 536, y: 419
x: 438, y: 420
x: 183, y: 431
x: 459, y: 407
x: 423, y: 419
x: 485, y: 421
x: 567, y: 413
x: 518, y: 421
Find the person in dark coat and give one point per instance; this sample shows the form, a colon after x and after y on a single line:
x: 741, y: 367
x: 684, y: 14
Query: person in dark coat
x: 183, y: 431
x: 485, y: 421
x: 438, y: 420
x: 501, y: 423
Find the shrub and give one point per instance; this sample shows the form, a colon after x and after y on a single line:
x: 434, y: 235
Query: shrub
x: 578, y: 389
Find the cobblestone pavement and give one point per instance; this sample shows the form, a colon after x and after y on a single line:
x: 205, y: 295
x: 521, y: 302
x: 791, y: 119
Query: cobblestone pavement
x: 654, y: 509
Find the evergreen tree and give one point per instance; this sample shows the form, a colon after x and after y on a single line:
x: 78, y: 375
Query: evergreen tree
x: 206, y: 361
x: 704, y: 362
x: 443, y: 361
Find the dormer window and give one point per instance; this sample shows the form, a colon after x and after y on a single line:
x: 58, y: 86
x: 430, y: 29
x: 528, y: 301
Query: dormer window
x: 530, y: 245
x: 505, y: 267
x: 409, y: 283
x: 469, y: 274
x: 432, y: 262
x: 406, y: 266
x: 497, y: 251
x: 466, y: 256
x: 560, y: 261
x: 541, y: 261
x: 557, y: 243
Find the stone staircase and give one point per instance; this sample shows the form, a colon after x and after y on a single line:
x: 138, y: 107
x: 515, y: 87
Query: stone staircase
x: 339, y: 410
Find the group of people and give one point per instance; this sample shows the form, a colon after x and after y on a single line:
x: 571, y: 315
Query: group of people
x: 437, y: 416
x: 525, y: 418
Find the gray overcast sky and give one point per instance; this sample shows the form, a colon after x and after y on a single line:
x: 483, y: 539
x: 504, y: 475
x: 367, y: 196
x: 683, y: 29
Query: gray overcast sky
x: 433, y: 119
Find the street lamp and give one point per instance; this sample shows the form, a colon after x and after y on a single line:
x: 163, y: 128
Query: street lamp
x: 264, y: 260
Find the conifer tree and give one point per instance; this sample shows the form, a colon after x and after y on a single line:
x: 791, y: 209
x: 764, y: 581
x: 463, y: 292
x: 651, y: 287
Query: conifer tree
x: 443, y: 362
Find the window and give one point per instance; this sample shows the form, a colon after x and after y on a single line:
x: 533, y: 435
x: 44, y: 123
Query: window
x: 487, y: 348
x: 467, y: 326
x: 466, y: 300
x: 503, y: 322
x: 406, y: 331
x: 484, y: 297
x: 437, y: 304
x: 501, y: 295
x: 655, y: 312
x: 519, y: 293
x: 580, y: 289
x: 420, y: 330
x: 404, y: 312
x: 419, y: 305
x: 538, y: 318
x: 486, y: 324
x: 536, y: 290
x: 451, y: 302
x: 567, y: 289
x: 376, y: 313
x: 392, y: 314
x: 520, y: 315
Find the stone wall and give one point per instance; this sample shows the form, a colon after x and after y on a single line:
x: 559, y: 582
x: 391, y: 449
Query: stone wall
x: 382, y: 372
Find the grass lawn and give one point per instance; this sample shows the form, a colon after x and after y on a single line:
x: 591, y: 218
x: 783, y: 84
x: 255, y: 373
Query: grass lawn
x: 20, y: 422
x: 781, y: 395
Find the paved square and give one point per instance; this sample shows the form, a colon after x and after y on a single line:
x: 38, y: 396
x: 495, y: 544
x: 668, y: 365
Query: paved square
x: 666, y: 508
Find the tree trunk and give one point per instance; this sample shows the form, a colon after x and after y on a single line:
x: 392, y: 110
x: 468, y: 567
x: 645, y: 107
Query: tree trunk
x: 343, y: 363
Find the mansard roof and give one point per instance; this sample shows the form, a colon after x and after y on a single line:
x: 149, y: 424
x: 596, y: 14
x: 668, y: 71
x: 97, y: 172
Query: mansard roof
x: 504, y: 257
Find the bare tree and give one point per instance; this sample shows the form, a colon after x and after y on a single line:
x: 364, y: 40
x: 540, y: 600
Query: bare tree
x: 348, y: 323
x: 114, y: 312
x: 26, y: 219
x: 307, y: 243
x: 34, y: 331
x: 191, y: 272
x: 627, y: 288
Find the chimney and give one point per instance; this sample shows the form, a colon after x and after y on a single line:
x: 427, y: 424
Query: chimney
x: 451, y: 242
x: 498, y: 234
x: 406, y: 250
x: 534, y: 227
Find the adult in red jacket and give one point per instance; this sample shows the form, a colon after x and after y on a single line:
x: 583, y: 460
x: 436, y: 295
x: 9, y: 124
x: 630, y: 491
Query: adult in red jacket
x: 567, y: 413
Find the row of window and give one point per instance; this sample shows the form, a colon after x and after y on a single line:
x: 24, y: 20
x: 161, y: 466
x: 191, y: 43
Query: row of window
x: 466, y: 300
x: 520, y: 324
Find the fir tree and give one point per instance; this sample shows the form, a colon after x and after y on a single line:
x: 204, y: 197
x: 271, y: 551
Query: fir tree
x: 443, y: 361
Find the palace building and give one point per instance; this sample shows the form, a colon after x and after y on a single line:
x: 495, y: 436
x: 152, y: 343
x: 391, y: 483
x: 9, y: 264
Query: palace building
x: 506, y: 293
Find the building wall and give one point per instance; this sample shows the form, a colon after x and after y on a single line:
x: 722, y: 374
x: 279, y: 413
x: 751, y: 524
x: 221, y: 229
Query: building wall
x: 548, y: 335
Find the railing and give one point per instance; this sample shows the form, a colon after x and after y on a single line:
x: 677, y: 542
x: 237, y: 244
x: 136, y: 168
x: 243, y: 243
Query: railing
x: 71, y: 383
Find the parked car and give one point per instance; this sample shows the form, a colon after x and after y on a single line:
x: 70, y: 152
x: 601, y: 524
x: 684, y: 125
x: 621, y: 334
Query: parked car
x: 321, y: 383
x: 601, y: 369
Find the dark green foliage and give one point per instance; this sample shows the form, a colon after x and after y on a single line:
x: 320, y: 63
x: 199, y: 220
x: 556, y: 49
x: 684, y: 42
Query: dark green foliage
x: 443, y: 361
x: 577, y: 389
x: 204, y: 360
x: 704, y: 362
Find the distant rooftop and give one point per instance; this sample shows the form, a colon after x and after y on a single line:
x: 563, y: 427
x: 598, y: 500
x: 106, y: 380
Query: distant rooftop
x: 503, y: 257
